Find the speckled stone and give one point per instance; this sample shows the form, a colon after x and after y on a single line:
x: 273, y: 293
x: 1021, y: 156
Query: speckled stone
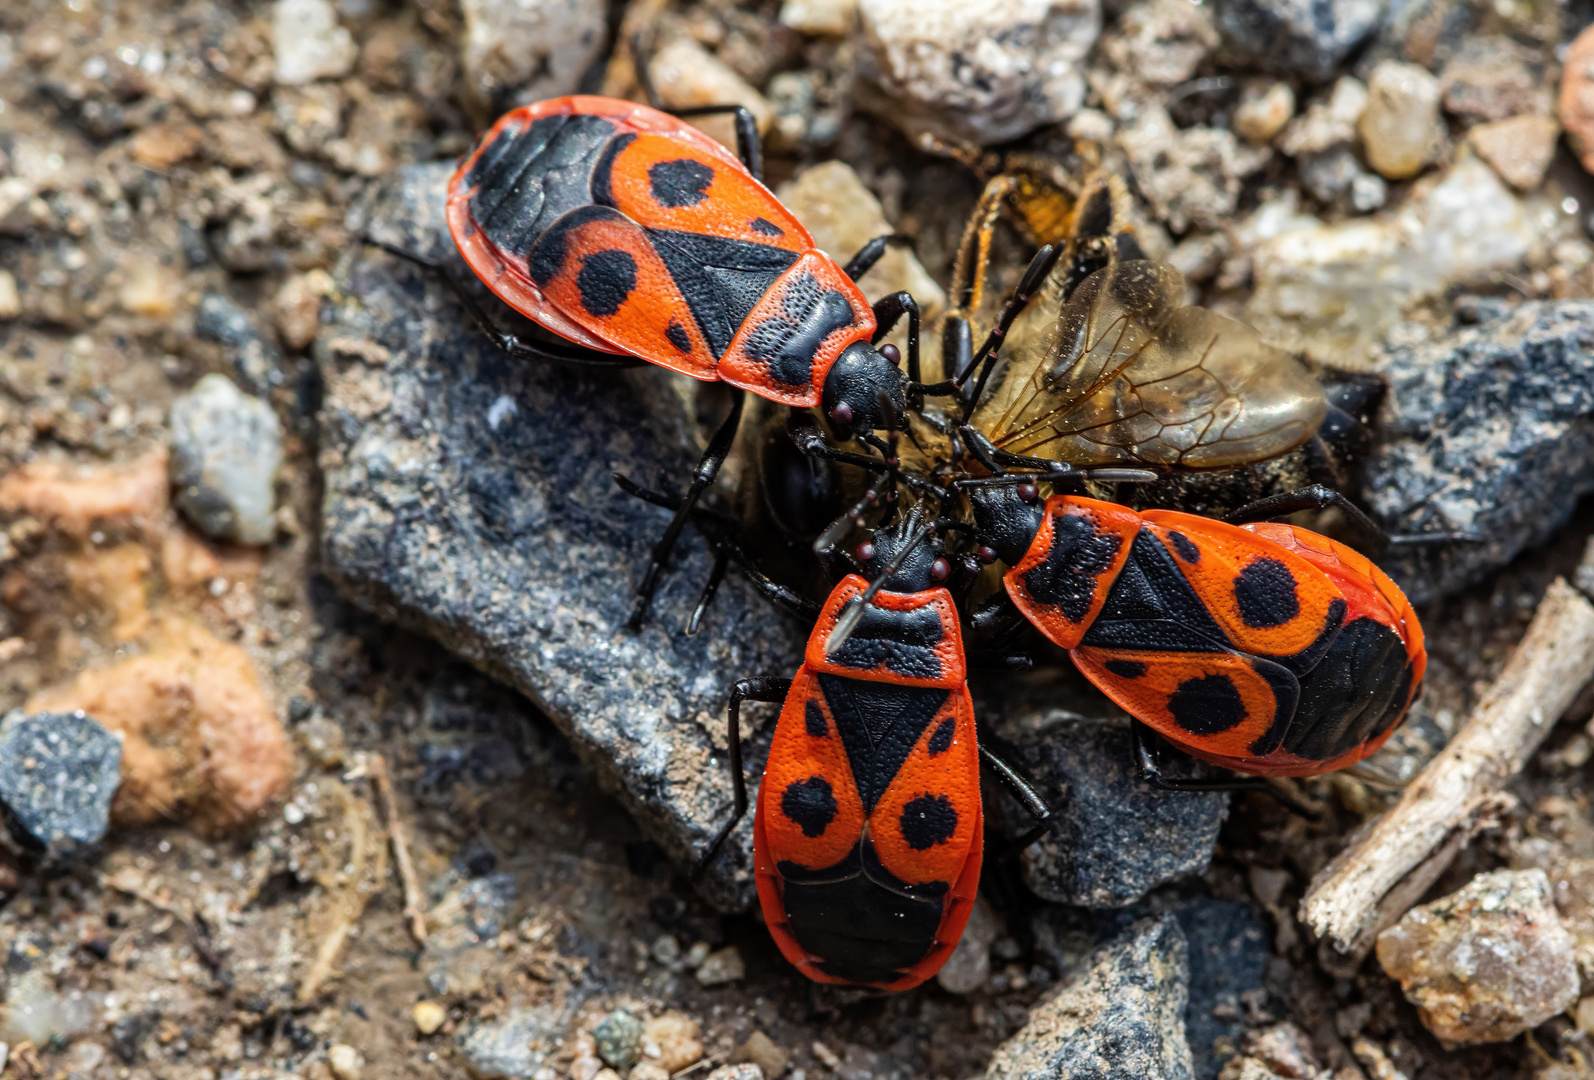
x: 1115, y: 836
x: 1119, y: 1017
x: 1304, y: 38
x: 1489, y: 431
x: 1487, y: 962
x: 58, y: 772
x: 469, y: 495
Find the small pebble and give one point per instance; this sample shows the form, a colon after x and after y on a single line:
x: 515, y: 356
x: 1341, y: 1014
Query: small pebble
x: 648, y: 1070
x: 428, y: 1016
x: 308, y: 43
x: 148, y: 289
x: 761, y: 1050
x: 344, y: 1061
x: 619, y: 1039
x: 1401, y: 130
x: 1487, y: 962
x: 687, y: 75
x: 1585, y: 1016
x: 297, y: 308
x: 58, y: 772
x: 160, y: 146
x: 738, y: 1072
x: 226, y: 449
x: 978, y: 72
x: 821, y: 18
x: 529, y: 49
x: 1577, y: 97
x: 676, y: 1037
x: 720, y: 967
x: 1519, y: 149
x: 10, y: 300
x: 1263, y: 113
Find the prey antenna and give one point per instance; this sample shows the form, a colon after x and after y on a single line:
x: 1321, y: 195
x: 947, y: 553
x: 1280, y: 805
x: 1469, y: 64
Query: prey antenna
x: 855, y: 608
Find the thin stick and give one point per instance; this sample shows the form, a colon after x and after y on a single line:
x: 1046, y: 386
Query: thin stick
x: 414, y: 908
x: 1552, y: 662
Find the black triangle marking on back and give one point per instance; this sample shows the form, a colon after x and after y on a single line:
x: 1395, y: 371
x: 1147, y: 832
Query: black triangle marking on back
x: 879, y: 724
x: 721, y: 278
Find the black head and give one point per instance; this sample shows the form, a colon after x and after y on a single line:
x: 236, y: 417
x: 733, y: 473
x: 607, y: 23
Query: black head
x: 1006, y: 517
x: 851, y: 397
x: 924, y: 567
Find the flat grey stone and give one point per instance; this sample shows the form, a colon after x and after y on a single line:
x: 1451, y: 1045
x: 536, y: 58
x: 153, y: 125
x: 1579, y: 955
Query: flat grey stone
x: 1119, y: 1017
x: 1488, y: 430
x: 1115, y: 837
x: 469, y: 495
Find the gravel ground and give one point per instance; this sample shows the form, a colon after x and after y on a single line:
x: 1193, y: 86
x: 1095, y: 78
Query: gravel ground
x: 182, y: 292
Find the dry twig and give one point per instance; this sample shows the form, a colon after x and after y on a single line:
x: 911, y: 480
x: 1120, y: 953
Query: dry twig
x: 1552, y: 662
x: 414, y: 908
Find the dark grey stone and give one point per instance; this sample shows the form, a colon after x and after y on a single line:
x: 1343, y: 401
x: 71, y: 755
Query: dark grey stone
x: 1488, y: 430
x: 1119, y: 1017
x: 1228, y: 953
x: 469, y: 495
x: 1306, y: 38
x: 255, y: 357
x: 58, y: 772
x: 1115, y: 836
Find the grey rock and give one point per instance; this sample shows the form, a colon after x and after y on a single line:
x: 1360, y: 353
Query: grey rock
x: 1488, y: 431
x: 514, y: 1046
x: 226, y: 449
x: 469, y: 495
x: 1228, y: 954
x: 1115, y: 836
x: 618, y: 1037
x: 1120, y: 1017
x: 515, y: 51
x: 736, y: 1072
x: 58, y: 772
x: 1308, y: 38
x: 921, y: 72
x: 256, y: 358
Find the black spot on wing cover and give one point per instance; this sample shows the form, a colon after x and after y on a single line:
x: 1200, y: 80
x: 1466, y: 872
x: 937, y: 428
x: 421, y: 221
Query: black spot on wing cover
x: 941, y: 741
x: 811, y: 804
x: 928, y: 820
x: 678, y: 183
x: 814, y: 719
x: 1078, y: 557
x: 1207, y: 705
x: 1267, y: 594
x: 605, y: 279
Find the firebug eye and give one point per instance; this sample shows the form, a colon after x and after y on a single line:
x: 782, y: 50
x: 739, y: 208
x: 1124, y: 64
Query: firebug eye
x: 865, y: 551
x: 842, y: 413
x: 1028, y: 491
x: 986, y: 555
x: 940, y: 569
x: 892, y: 354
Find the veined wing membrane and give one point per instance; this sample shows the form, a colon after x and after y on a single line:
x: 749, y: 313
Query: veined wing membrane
x: 1127, y: 375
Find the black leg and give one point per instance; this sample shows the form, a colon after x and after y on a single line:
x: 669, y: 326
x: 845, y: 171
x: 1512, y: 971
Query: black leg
x: 508, y: 343
x: 979, y: 660
x: 748, y: 147
x: 707, y: 468
x: 861, y: 263
x: 1371, y: 538
x: 773, y: 690
x: 985, y: 359
x: 1146, y: 741
x: 720, y: 531
x: 721, y: 562
x: 806, y: 436
x: 887, y: 310
x: 1028, y: 794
